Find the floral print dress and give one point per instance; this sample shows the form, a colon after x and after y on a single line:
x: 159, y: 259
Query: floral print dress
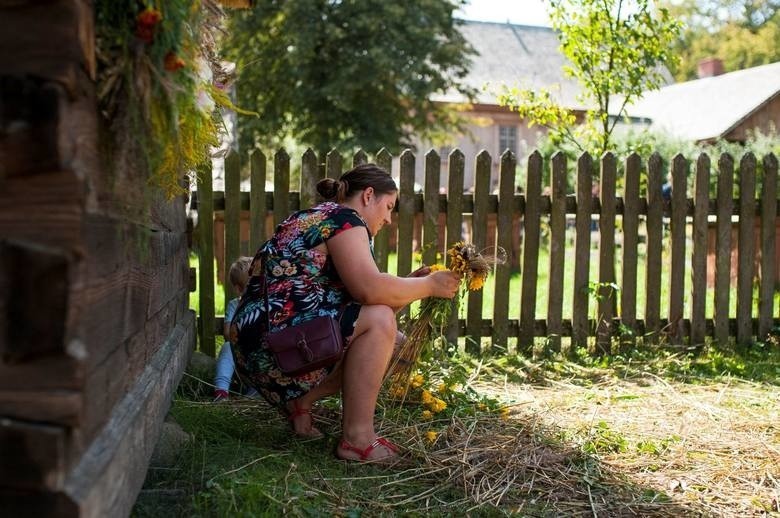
x: 302, y: 284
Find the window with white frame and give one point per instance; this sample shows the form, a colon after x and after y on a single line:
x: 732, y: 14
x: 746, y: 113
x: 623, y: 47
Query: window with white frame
x: 507, y: 139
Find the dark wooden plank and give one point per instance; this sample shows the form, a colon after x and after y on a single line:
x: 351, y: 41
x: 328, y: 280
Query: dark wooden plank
x: 506, y: 195
x: 455, y: 210
x: 607, y: 295
x: 122, y: 449
x: 746, y: 248
x: 725, y: 204
x: 206, y: 260
x: 281, y: 186
x: 768, y: 247
x: 333, y: 165
x: 30, y: 274
x: 34, y: 454
x: 258, y: 208
x: 557, y: 251
x: 360, y: 157
x: 580, y: 311
x: 628, y: 293
x: 677, y: 226
x: 310, y: 175
x: 232, y: 218
x: 531, y: 224
x: 381, y: 241
x: 482, y: 169
x: 699, y: 258
x: 655, y: 203
x: 406, y: 213
x: 431, y: 247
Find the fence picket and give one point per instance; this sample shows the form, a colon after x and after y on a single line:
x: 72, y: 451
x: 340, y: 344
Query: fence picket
x: 768, y: 250
x: 607, y: 294
x: 360, y: 157
x: 206, y: 259
x: 431, y: 246
x: 333, y: 164
x: 628, y: 282
x: 310, y: 175
x: 557, y: 251
x: 232, y: 218
x: 531, y: 221
x: 483, y: 166
x: 457, y: 168
x: 725, y: 203
x: 506, y: 197
x: 281, y: 206
x: 406, y: 213
x: 579, y: 316
x: 381, y: 240
x: 655, y: 209
x: 257, y: 201
x: 746, y: 244
x: 677, y: 231
x: 699, y: 259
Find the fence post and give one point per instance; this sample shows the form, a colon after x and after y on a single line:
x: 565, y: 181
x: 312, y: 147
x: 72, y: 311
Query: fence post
x: 385, y: 161
x: 457, y: 168
x: 281, y: 208
x: 533, y: 194
x: 310, y: 175
x: 677, y: 229
x: 431, y: 246
x: 482, y: 169
x: 206, y: 259
x: 257, y: 202
x: 333, y: 164
x: 406, y: 204
x: 359, y: 158
x: 506, y: 199
x: 557, y: 251
x: 630, y: 245
x: 768, y: 250
x: 725, y: 202
x: 747, y: 246
x: 607, y: 296
x: 655, y: 207
x: 232, y: 218
x: 699, y: 259
x: 579, y: 318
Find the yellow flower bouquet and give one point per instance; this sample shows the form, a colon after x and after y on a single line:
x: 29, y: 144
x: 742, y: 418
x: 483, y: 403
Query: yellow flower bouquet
x: 427, y: 328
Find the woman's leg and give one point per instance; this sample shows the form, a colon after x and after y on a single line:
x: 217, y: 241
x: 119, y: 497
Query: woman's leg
x: 364, y: 368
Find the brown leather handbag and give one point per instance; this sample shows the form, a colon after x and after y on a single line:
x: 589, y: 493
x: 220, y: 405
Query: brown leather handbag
x: 305, y: 347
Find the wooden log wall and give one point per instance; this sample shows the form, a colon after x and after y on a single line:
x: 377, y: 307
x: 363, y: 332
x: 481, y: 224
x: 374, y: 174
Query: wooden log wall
x: 94, y: 326
x: 686, y: 249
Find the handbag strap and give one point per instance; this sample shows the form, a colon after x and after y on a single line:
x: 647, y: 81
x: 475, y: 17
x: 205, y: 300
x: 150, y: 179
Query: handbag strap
x: 265, y: 293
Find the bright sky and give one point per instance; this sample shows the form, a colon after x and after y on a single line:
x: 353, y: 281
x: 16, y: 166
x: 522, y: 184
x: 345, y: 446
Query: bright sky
x: 521, y: 12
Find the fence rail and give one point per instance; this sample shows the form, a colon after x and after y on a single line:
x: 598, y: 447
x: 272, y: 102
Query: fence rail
x: 684, y: 236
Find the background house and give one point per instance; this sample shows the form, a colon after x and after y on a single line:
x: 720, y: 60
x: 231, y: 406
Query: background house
x: 717, y: 105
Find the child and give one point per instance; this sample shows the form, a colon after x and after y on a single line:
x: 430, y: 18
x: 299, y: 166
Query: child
x: 239, y: 274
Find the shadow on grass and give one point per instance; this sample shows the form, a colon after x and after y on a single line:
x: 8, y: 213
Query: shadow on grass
x: 243, y: 461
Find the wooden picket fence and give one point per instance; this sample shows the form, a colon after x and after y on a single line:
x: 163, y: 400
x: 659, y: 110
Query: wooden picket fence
x: 670, y: 225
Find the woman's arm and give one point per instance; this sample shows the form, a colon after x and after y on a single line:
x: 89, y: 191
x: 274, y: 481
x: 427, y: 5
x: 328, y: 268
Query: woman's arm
x: 367, y: 285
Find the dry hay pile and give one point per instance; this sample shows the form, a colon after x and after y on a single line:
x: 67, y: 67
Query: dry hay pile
x: 714, y: 449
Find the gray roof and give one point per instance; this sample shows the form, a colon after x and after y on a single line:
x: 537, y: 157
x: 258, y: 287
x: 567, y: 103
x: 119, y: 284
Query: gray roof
x: 515, y: 55
x: 711, y: 107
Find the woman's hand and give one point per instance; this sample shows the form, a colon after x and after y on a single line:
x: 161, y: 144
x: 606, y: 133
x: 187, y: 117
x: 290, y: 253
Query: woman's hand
x: 422, y: 271
x: 444, y: 284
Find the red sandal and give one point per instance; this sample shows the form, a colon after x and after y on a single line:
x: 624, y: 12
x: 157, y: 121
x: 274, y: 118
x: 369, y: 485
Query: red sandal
x: 365, y: 453
x: 298, y: 411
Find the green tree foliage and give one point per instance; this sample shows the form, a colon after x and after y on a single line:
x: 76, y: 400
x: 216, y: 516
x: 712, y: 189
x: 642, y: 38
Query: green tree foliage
x: 743, y: 33
x: 346, y: 73
x: 616, y: 48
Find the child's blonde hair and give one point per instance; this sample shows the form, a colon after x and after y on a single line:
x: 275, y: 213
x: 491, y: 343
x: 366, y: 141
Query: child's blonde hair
x: 239, y: 271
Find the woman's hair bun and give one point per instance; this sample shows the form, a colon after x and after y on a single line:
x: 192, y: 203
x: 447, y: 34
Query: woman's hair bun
x: 328, y: 188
